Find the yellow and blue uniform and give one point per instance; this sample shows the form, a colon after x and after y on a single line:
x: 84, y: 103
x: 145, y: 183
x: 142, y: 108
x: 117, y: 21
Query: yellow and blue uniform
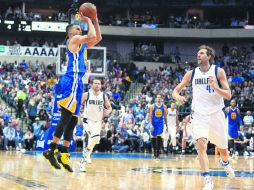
x: 234, y: 119
x: 69, y: 89
x: 158, y: 120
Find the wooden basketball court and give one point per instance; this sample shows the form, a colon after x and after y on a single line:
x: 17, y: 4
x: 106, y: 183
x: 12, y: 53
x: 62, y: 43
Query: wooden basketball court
x: 119, y: 171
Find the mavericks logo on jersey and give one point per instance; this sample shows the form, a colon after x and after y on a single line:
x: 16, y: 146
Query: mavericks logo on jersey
x: 201, y: 81
x: 96, y: 102
x: 158, y: 113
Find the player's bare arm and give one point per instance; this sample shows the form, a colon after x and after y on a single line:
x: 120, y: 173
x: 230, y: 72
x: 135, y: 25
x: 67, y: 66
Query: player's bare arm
x: 108, y: 109
x: 151, y: 117
x: 224, y: 91
x: 97, y: 30
x: 84, y: 98
x: 76, y: 40
x: 79, y: 121
x: 165, y: 117
x: 185, y: 81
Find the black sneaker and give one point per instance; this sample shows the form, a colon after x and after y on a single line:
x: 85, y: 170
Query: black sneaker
x: 64, y: 160
x: 50, y: 156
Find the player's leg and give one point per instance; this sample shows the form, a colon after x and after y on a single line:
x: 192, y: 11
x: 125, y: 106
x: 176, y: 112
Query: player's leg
x: 50, y: 154
x: 64, y: 156
x: 184, y: 140
x: 200, y: 134
x: 94, y: 138
x: 165, y: 140
x: 154, y: 146
x: 159, y: 145
x: 218, y: 135
x: 173, y: 137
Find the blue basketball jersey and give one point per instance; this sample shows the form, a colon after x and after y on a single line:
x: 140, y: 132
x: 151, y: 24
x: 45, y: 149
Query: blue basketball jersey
x: 76, y: 61
x: 234, y: 119
x: 158, y: 120
x: 233, y: 116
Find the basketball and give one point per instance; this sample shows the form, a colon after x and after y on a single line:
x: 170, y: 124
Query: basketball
x: 89, y: 10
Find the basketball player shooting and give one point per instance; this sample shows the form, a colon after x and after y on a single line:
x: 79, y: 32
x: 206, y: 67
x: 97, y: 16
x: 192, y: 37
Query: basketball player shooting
x: 70, y: 87
x: 210, y: 86
x: 96, y: 106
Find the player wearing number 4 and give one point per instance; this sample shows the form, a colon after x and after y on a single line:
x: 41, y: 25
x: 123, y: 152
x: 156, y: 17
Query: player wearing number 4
x: 96, y: 106
x: 209, y: 86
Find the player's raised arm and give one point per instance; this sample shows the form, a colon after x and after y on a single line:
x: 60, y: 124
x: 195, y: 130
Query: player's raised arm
x: 185, y: 81
x: 85, y: 39
x: 84, y: 97
x: 97, y: 31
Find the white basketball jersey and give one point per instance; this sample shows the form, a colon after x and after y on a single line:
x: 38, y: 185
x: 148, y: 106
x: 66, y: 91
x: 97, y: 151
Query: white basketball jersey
x: 94, y: 106
x: 205, y: 100
x: 171, y: 117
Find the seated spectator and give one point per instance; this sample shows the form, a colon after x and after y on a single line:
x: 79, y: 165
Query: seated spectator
x: 43, y: 114
x: 29, y: 140
x: 114, y: 118
x: 9, y: 136
x: 37, y: 128
x: 111, y: 137
x: 102, y: 146
x: 145, y: 140
x: 133, y: 137
x: 120, y: 145
x: 19, y: 137
x: 248, y: 120
x: 243, y: 141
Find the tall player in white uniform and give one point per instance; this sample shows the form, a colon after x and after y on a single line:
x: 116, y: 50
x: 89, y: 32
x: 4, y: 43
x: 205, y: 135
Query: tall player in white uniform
x: 173, y: 124
x: 96, y: 106
x: 210, y: 86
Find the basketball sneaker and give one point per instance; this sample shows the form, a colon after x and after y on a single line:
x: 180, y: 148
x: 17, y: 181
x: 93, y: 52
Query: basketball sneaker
x: 87, y: 156
x: 50, y: 156
x: 229, y: 170
x: 64, y: 160
x: 208, y: 183
x: 88, y: 159
x: 82, y: 165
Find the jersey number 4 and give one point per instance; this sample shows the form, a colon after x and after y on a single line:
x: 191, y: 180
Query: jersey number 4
x: 209, y: 89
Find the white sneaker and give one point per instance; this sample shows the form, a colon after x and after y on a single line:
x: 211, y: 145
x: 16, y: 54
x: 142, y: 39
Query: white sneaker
x: 229, y: 170
x: 208, y: 183
x: 246, y: 153
x: 88, y: 160
x: 82, y: 165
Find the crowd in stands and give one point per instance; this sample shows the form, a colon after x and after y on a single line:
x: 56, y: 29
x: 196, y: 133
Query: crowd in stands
x: 32, y: 43
x: 147, y: 19
x: 28, y: 88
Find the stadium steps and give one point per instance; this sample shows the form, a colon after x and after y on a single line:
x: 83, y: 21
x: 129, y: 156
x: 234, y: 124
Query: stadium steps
x: 135, y: 90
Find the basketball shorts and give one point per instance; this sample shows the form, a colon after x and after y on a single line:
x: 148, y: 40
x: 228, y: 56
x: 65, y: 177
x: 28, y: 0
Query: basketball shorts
x: 158, y: 130
x: 68, y: 92
x: 233, y: 131
x: 93, y: 128
x: 212, y: 127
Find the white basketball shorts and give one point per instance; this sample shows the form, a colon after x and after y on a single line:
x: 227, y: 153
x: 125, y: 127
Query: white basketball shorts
x: 93, y: 128
x: 212, y: 127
